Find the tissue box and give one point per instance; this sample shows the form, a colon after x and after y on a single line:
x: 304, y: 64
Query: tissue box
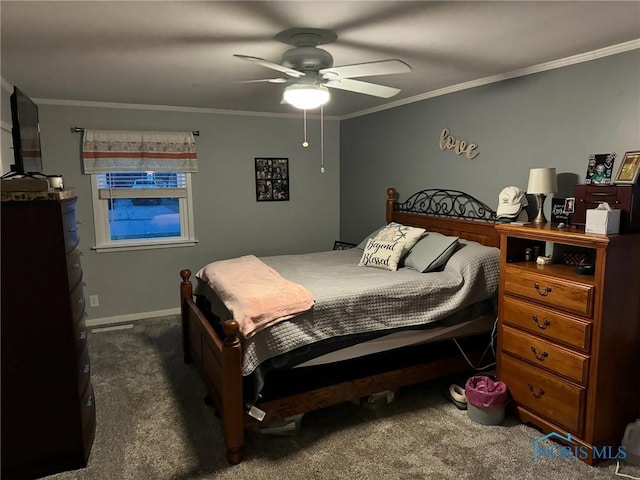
x: 602, y: 221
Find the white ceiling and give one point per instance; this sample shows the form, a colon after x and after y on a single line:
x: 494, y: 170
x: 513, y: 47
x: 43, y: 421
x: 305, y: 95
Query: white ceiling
x: 180, y: 53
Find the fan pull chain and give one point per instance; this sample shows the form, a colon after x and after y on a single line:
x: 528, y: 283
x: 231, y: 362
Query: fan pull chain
x: 321, y: 139
x: 304, y: 123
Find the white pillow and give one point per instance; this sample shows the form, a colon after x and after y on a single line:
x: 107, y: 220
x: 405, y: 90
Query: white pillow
x: 381, y: 254
x: 396, y: 232
x: 373, y: 234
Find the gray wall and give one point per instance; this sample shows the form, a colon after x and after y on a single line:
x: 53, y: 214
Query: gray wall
x: 554, y: 118
x: 550, y: 119
x: 228, y: 220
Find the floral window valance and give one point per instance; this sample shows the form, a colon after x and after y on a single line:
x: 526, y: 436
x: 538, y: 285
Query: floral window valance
x: 121, y: 151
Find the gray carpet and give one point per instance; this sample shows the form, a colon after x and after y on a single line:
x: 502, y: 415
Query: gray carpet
x: 152, y: 423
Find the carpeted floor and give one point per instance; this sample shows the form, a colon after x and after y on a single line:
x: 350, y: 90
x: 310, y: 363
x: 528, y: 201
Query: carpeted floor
x: 152, y: 423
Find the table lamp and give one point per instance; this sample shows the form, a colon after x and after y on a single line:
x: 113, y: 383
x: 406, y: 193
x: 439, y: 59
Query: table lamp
x: 542, y: 181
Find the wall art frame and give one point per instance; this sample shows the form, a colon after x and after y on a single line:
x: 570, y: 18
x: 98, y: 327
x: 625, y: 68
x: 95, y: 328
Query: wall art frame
x: 272, y: 179
x: 629, y: 168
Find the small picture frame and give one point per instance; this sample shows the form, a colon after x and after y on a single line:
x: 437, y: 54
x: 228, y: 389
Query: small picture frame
x: 569, y: 205
x: 558, y: 213
x: 272, y: 179
x: 338, y: 245
x: 600, y: 168
x: 629, y: 168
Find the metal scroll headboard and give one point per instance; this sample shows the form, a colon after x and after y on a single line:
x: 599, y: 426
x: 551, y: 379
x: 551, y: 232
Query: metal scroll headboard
x: 447, y: 203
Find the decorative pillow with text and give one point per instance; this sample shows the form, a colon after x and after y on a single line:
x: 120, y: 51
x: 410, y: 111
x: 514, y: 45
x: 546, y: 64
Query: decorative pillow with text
x: 396, y: 232
x: 381, y: 254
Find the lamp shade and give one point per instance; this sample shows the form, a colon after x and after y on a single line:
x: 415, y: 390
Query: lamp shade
x: 542, y: 180
x: 306, y: 96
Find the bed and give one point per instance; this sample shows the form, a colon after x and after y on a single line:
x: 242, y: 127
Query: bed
x: 340, y: 351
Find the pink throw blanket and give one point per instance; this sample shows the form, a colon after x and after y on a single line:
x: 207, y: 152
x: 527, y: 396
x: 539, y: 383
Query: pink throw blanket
x: 254, y: 293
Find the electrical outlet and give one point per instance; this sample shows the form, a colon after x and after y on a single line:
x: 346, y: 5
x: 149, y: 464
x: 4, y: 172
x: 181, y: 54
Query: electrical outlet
x: 93, y: 301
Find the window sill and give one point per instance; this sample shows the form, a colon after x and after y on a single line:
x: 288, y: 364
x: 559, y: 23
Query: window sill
x: 122, y: 247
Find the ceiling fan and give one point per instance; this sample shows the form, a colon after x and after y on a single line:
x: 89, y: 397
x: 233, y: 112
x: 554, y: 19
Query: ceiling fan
x: 310, y: 70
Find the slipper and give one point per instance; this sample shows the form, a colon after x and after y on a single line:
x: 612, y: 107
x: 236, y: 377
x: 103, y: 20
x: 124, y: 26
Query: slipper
x: 457, y: 396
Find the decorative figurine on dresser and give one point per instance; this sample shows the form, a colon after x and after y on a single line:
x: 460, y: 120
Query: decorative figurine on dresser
x: 48, y: 409
x: 569, y: 336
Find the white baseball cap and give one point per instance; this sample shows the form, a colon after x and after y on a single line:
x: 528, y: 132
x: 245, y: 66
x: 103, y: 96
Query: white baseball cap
x: 510, y: 202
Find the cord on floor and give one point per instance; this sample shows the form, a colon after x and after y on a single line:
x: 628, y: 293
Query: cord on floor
x: 623, y: 474
x: 490, y: 346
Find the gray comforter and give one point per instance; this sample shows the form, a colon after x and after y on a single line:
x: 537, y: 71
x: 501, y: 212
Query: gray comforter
x: 351, y: 299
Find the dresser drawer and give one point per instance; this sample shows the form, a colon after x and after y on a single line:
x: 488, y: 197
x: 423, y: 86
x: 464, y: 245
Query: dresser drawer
x: 77, y: 303
x: 88, y: 407
x: 74, y: 268
x: 70, y: 230
x: 547, y: 323
x: 601, y: 193
x: 545, y: 354
x: 81, y: 334
x: 88, y: 433
x: 545, y: 394
x: 554, y: 291
x: 84, y: 370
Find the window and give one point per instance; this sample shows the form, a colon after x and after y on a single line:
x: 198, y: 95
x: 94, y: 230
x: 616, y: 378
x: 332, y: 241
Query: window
x: 141, y: 188
x: 142, y: 209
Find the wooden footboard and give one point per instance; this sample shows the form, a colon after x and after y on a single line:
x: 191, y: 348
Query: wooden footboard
x: 219, y: 362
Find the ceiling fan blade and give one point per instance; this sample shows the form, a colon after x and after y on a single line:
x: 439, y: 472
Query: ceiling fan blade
x: 270, y: 80
x: 367, y: 88
x: 383, y: 67
x: 266, y: 63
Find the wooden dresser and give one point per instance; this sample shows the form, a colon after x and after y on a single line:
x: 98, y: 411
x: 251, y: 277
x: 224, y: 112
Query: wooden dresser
x: 568, y: 344
x: 48, y: 410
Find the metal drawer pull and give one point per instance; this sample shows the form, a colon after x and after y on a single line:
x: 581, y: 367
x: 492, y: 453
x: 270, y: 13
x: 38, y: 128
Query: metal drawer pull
x: 546, y: 292
x: 537, y: 395
x: 540, y: 357
x: 544, y: 325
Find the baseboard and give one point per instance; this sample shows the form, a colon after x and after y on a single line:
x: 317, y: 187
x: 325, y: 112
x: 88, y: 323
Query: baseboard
x: 131, y: 317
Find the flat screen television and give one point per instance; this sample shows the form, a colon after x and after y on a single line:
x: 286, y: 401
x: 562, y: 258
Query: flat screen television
x: 25, y: 132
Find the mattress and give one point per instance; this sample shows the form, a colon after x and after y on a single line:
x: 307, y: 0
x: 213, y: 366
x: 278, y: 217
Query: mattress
x: 474, y: 326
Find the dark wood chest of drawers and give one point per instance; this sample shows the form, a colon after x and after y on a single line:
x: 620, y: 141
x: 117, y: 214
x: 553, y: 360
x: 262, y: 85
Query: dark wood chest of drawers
x: 48, y: 409
x: 622, y: 197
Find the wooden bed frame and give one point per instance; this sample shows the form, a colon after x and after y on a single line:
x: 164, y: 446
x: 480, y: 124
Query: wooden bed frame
x: 219, y: 360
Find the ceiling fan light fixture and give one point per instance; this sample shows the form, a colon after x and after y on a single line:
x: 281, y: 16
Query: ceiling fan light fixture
x: 306, y: 97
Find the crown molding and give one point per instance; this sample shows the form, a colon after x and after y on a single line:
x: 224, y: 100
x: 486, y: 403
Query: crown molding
x: 173, y: 108
x: 542, y: 67
x: 563, y: 62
